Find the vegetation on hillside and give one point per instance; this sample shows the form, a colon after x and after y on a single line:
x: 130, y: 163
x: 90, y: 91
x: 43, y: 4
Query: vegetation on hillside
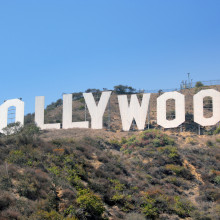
x: 147, y: 176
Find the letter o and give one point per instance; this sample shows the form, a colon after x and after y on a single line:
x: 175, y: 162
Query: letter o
x: 198, y: 107
x: 179, y: 110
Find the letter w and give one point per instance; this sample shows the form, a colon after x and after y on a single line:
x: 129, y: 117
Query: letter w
x: 134, y: 111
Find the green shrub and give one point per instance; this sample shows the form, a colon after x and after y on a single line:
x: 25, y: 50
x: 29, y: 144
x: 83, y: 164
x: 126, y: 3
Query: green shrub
x: 54, y: 105
x: 170, y: 151
x: 45, y: 215
x: 199, y: 84
x: 5, y: 201
x: 173, y: 180
x: 55, y: 170
x: 121, y: 89
x: 166, y: 140
x: 70, y: 211
x: 90, y: 202
x: 156, y: 142
x: 118, y: 195
x: 30, y: 129
x: 27, y: 189
x: 218, y: 140
x: 5, y: 183
x: 73, y: 178
x: 148, y: 207
x: 147, y: 139
x: 17, y: 156
x: 209, y: 143
x: 217, y: 130
x: 217, y: 180
x: 179, y: 171
x: 115, y: 143
x: 81, y: 107
x: 116, y: 185
x: 182, y: 207
x: 12, y: 128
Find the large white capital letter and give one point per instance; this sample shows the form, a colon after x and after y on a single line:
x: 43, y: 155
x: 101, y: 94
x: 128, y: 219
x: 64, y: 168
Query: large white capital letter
x: 19, y: 115
x: 67, y: 114
x: 179, y: 110
x: 97, y: 111
x: 134, y: 111
x: 198, y: 107
x: 39, y: 115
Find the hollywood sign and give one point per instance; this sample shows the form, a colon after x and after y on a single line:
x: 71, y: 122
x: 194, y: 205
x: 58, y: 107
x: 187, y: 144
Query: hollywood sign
x: 128, y: 111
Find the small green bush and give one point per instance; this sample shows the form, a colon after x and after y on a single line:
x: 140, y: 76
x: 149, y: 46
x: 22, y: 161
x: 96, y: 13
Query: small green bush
x: 27, y: 189
x: 209, y: 143
x: 90, y: 202
x: 217, y: 130
x: 115, y: 143
x: 156, y: 142
x: 30, y: 130
x: 199, y: 84
x: 147, y: 139
x: 12, y: 128
x: 5, y: 183
x: 70, y: 211
x: 217, y: 180
x: 17, y: 156
x: 45, y: 215
x: 55, y: 170
x: 179, y: 171
x: 218, y: 140
x: 81, y: 107
x: 148, y: 208
x: 170, y: 151
x: 5, y: 201
x: 118, y: 195
x: 182, y: 207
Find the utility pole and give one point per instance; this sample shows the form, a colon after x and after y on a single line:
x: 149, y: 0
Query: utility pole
x: 189, y: 81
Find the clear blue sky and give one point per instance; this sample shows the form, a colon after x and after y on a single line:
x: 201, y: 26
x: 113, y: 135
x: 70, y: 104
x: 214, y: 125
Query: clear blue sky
x: 50, y: 47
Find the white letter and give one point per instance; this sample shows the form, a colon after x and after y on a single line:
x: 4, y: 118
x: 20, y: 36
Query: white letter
x: 4, y: 112
x: 179, y: 110
x: 198, y: 107
x: 134, y: 111
x: 67, y: 114
x: 39, y: 115
x: 97, y: 111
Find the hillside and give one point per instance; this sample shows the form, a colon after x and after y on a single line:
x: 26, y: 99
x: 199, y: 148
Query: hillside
x: 108, y: 175
x: 112, y: 120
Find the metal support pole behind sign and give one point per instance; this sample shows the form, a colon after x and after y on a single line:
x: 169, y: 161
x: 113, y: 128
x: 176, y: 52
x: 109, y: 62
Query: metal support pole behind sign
x: 199, y: 129
x: 109, y: 114
x: 148, y: 117
x: 85, y: 110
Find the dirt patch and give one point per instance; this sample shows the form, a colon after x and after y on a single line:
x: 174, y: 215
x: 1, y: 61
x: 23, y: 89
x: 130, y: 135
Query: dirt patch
x: 192, y: 169
x: 79, y: 133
